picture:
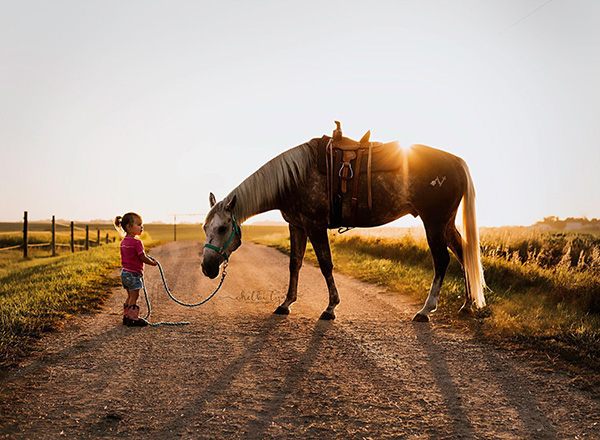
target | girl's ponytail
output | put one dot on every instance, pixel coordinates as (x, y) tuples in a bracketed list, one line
[(119, 225)]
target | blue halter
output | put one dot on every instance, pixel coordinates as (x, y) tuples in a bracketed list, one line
[(221, 250)]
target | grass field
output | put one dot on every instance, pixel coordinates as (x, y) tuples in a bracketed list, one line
[(162, 233)]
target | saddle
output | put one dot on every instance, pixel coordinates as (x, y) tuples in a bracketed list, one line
[(343, 160)]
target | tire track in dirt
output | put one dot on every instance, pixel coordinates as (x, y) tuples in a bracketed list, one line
[(240, 372)]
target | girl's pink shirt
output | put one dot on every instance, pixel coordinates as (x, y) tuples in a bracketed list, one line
[(131, 251)]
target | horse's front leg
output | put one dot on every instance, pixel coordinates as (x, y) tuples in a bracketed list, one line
[(297, 249), (320, 241)]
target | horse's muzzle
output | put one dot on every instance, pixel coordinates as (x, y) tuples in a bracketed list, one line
[(211, 271)]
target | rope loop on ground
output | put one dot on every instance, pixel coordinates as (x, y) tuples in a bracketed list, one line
[(162, 275)]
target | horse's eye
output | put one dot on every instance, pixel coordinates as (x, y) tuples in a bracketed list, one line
[(222, 229)]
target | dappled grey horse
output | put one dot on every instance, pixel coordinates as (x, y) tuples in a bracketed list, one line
[(331, 182)]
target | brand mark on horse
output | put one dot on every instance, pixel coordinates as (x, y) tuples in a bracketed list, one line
[(437, 181)]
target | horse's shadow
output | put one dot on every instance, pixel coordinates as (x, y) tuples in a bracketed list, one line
[(517, 392), (296, 375)]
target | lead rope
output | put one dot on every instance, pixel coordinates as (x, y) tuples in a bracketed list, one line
[(145, 319)]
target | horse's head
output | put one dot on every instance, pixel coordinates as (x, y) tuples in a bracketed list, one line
[(223, 235)]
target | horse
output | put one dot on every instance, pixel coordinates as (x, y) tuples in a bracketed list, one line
[(425, 182)]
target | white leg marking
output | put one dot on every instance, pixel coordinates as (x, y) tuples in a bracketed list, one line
[(432, 298)]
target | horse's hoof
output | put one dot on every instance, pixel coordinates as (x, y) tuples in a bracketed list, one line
[(421, 318), (281, 311), (327, 316), (465, 311)]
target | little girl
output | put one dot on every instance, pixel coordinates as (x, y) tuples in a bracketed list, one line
[(133, 258)]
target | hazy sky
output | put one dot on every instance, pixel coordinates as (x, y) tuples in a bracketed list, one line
[(112, 106)]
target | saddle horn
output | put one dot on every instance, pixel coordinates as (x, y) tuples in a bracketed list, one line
[(337, 133)]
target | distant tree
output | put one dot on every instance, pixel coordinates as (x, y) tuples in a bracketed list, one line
[(555, 223)]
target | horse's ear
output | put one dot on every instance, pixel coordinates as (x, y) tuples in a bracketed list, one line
[(212, 200), (365, 138), (231, 204)]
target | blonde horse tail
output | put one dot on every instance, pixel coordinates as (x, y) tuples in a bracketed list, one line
[(470, 243)]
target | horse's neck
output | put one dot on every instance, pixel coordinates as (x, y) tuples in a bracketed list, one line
[(254, 196), (263, 190)]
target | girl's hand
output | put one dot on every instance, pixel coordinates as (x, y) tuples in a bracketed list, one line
[(149, 260)]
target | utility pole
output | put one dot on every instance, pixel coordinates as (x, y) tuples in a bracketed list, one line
[(25, 236), (175, 222), (53, 236)]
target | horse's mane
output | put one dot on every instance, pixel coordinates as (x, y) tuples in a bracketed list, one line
[(274, 179)]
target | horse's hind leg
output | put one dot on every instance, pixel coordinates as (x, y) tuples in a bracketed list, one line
[(297, 249), (320, 241), (455, 243), (441, 258)]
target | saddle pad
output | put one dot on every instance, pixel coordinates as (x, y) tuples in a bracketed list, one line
[(387, 157)]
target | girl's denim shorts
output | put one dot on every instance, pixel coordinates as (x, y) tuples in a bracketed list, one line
[(131, 281)]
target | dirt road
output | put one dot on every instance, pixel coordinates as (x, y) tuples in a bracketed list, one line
[(240, 372)]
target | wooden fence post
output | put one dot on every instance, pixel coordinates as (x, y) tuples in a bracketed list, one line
[(87, 237), (53, 236), (72, 237), (107, 238), (98, 238), (25, 238)]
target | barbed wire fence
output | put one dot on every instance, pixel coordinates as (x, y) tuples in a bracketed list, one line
[(73, 243)]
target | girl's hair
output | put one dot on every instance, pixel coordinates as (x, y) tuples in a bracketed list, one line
[(121, 223)]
